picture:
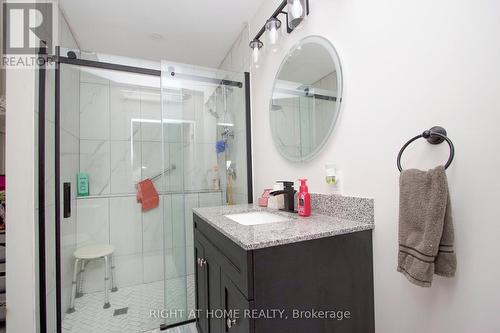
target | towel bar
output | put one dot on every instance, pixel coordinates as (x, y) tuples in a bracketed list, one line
[(435, 135)]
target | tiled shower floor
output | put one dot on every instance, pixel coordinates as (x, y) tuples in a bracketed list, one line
[(90, 317)]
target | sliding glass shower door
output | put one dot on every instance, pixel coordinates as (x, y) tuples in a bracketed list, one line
[(205, 142), (114, 264), (110, 140)]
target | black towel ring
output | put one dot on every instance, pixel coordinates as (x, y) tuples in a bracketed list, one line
[(435, 136)]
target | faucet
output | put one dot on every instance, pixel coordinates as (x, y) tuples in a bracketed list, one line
[(289, 193)]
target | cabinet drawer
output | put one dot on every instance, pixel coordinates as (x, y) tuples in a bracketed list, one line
[(235, 306), (235, 262)]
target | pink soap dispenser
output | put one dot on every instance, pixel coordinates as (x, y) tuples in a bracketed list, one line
[(304, 198)]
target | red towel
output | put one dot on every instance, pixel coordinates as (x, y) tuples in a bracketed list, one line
[(147, 195)]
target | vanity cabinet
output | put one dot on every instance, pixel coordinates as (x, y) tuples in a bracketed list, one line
[(331, 274)]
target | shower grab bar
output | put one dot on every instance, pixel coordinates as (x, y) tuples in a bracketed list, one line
[(172, 167), (125, 195)]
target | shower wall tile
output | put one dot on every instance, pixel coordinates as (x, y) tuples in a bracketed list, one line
[(175, 157), (125, 112), (178, 216), (190, 201), (69, 169), (93, 221), (239, 157), (175, 128), (168, 235), (205, 130), (125, 225), (175, 261), (152, 162), (69, 144), (240, 198), (93, 75), (210, 199), (169, 167), (153, 266), (152, 226), (199, 159), (189, 259), (237, 109), (172, 132), (187, 104), (69, 100), (94, 111), (151, 114), (128, 270), (95, 160), (125, 166)]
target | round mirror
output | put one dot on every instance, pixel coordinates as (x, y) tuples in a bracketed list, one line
[(306, 98)]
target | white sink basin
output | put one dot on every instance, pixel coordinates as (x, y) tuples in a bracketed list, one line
[(254, 218)]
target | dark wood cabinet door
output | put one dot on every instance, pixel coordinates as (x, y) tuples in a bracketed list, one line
[(235, 305), (213, 271), (201, 293)]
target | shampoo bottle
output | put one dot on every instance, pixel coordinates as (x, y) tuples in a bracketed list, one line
[(304, 199)]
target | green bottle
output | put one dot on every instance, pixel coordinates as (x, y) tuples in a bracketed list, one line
[(82, 184)]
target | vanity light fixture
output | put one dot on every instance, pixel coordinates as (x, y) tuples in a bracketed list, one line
[(297, 11), (256, 45), (273, 33)]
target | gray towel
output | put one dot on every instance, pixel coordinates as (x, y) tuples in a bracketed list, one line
[(425, 226)]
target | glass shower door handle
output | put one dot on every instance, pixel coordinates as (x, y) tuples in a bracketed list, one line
[(67, 200)]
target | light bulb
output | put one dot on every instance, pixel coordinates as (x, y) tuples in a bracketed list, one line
[(297, 9), (255, 55), (256, 45), (273, 35)]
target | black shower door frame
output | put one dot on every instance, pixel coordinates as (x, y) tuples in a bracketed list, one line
[(42, 72)]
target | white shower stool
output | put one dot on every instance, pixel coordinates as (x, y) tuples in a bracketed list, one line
[(87, 253)]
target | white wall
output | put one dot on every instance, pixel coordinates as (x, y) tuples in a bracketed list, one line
[(20, 228), (408, 65)]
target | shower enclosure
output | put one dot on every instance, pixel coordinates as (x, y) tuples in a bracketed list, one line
[(119, 121)]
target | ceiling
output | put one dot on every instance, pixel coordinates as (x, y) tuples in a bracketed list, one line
[(189, 31)]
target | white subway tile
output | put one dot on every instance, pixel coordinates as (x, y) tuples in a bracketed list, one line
[(94, 111), (125, 225), (95, 160), (92, 221), (125, 166)]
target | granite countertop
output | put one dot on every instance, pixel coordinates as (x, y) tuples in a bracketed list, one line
[(296, 229)]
